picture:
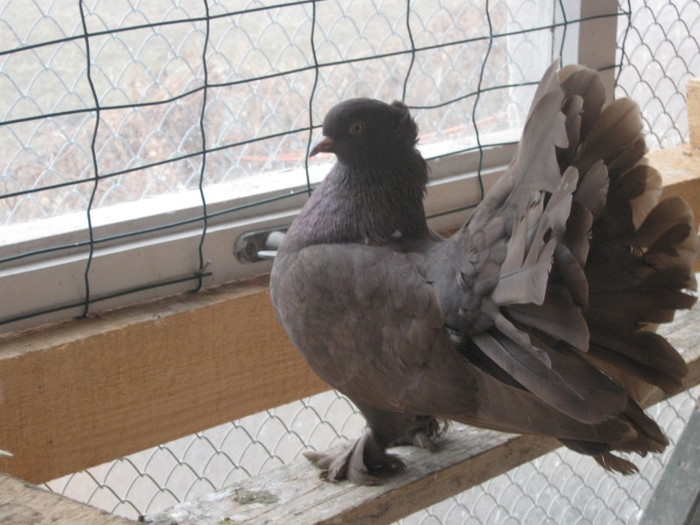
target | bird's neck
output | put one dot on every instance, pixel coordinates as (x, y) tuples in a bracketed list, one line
[(355, 205)]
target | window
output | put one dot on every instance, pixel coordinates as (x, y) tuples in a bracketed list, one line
[(140, 140)]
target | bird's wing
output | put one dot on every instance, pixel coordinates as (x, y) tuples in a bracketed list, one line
[(493, 276), (518, 279)]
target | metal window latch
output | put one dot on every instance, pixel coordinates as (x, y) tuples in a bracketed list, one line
[(259, 245)]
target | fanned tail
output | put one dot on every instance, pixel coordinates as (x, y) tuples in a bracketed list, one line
[(570, 262), (640, 263)]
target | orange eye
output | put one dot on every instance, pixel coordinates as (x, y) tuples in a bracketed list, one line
[(357, 127)]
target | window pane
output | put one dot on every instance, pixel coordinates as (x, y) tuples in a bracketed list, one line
[(166, 90)]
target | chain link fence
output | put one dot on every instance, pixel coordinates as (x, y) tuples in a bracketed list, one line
[(262, 75), (658, 52)]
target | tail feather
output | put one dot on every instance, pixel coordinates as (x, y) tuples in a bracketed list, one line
[(641, 253), (632, 153), (639, 187), (577, 229), (578, 81), (649, 438), (592, 191), (644, 354), (614, 138), (507, 406), (621, 263)]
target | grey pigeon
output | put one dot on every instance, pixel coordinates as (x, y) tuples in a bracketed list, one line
[(536, 317)]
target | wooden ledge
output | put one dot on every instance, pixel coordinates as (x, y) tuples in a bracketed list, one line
[(680, 170), (22, 503), (294, 494), (85, 392)]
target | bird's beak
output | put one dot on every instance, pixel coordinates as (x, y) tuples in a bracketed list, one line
[(326, 145)]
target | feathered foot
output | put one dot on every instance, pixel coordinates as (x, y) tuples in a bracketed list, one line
[(362, 462), (366, 461)]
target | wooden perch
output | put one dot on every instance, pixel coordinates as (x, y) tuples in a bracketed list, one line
[(22, 503), (294, 494)]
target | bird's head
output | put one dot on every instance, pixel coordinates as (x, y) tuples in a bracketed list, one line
[(364, 130)]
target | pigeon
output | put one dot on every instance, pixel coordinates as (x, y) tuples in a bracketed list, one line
[(536, 317)]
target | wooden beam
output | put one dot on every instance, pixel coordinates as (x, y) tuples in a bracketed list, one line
[(694, 112), (680, 170), (466, 457), (84, 392), (21, 503), (87, 392)]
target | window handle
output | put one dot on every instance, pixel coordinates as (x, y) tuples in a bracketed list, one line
[(259, 245)]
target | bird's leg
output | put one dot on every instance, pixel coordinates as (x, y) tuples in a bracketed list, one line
[(366, 460), (422, 433)]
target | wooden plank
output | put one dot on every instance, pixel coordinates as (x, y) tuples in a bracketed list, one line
[(676, 496), (694, 112), (294, 494), (84, 392), (598, 40), (21, 504), (87, 392), (680, 170)]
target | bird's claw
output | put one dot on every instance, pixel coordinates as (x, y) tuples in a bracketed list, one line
[(363, 462)]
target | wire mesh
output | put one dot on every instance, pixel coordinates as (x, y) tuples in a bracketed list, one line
[(131, 102), (158, 478), (659, 52), (133, 99), (105, 103)]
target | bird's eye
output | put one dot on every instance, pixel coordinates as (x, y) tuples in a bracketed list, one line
[(357, 127)]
